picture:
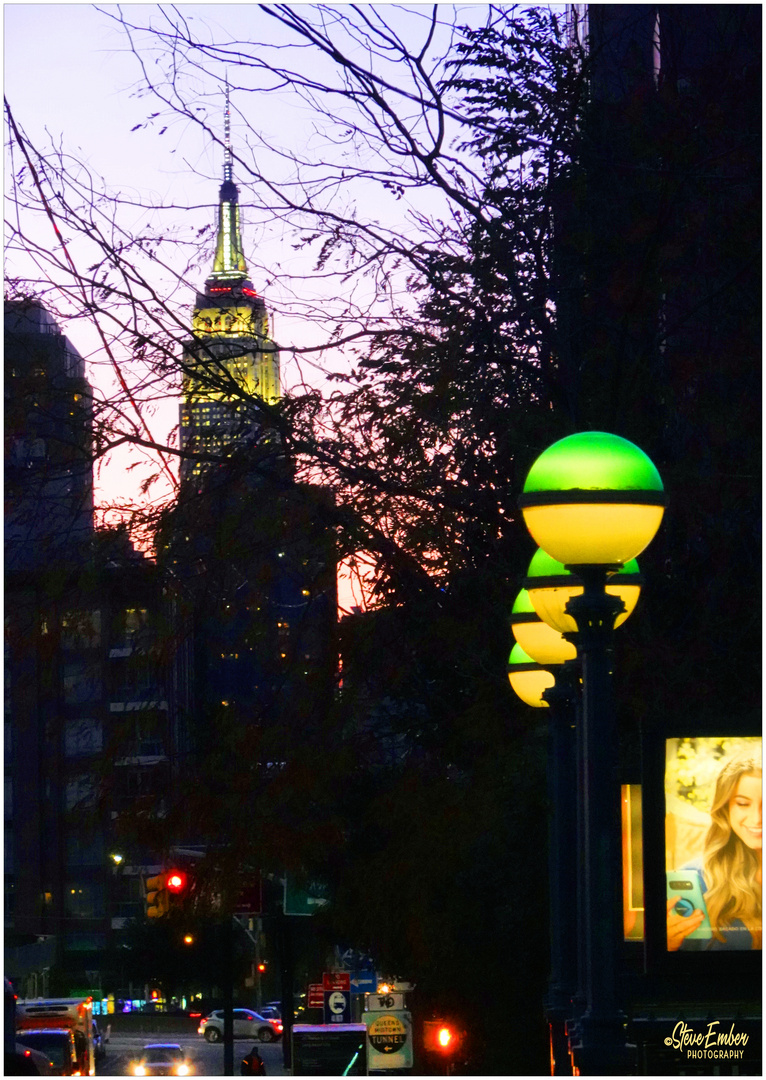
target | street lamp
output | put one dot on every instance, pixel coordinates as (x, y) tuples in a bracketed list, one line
[(550, 586), (541, 642), (593, 502), (593, 498), (528, 678)]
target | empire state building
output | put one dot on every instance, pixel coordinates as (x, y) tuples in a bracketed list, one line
[(231, 361)]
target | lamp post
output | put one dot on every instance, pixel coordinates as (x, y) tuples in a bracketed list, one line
[(547, 649), (593, 502)]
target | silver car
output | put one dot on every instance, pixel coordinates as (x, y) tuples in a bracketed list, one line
[(248, 1024)]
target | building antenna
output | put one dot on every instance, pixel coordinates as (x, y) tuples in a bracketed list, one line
[(228, 160)]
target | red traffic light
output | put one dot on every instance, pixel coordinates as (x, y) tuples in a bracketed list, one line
[(175, 882), (440, 1037), (261, 966)]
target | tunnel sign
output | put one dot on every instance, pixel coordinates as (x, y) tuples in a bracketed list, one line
[(389, 1040)]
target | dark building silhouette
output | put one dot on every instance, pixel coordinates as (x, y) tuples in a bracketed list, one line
[(48, 434), (88, 732)]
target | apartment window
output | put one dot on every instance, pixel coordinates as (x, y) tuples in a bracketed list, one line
[(84, 899), (83, 942), (83, 849), (81, 684), (81, 629), (80, 792), (82, 737)]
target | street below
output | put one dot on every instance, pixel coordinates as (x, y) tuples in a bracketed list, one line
[(207, 1058)]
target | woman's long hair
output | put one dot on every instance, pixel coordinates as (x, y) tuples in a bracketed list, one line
[(731, 867)]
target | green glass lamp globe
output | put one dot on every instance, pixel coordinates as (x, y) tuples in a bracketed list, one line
[(593, 498), (527, 678), (551, 586), (540, 641)]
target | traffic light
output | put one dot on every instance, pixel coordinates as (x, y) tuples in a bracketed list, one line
[(441, 1037), (176, 882), (157, 899), (262, 966)]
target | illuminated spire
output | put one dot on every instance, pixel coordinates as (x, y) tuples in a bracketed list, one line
[(229, 264), (228, 165)]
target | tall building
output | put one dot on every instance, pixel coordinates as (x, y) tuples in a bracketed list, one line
[(249, 550), (48, 437), (231, 358), (87, 726)]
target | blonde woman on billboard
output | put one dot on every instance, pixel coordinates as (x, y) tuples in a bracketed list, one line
[(731, 865)]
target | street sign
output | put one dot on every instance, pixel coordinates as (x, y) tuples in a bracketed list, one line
[(364, 982), (336, 980), (383, 1002), (306, 901), (389, 1040), (315, 999), (337, 1007), (250, 898)]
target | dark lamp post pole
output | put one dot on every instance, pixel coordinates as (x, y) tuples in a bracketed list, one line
[(562, 860), (600, 1049)]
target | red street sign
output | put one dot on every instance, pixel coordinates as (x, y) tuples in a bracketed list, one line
[(337, 980), (316, 996)]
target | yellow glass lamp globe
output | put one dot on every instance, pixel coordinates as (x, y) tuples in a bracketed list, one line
[(551, 586), (593, 498), (527, 678), (540, 641)]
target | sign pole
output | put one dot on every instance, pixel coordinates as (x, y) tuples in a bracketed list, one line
[(287, 979)]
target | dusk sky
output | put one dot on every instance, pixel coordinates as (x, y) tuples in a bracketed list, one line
[(70, 79)]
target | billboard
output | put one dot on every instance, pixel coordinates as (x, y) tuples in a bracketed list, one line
[(713, 843)]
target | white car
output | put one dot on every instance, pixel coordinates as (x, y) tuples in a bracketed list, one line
[(248, 1024)]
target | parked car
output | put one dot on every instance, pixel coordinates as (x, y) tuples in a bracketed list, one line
[(57, 1044), (162, 1059), (247, 1025)]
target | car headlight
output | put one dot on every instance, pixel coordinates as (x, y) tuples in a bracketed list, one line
[(139, 1070), (183, 1070)]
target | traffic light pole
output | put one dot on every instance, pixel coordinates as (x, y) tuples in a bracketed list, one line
[(228, 995), (288, 992)]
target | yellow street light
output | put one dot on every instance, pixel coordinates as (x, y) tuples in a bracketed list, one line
[(528, 678), (541, 642)]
